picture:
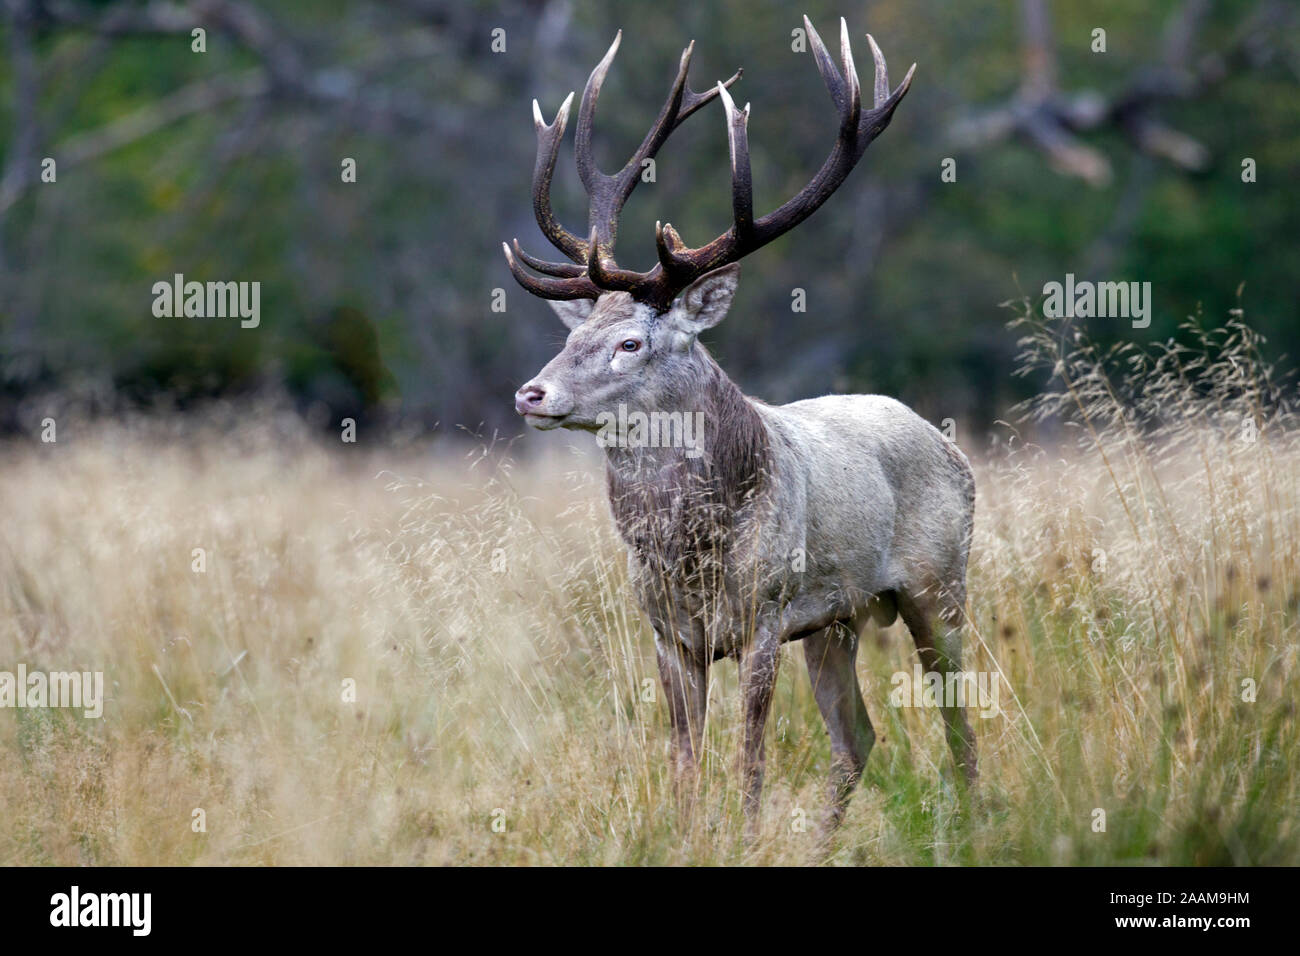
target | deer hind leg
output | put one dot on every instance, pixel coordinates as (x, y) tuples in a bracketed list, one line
[(935, 622), (830, 655)]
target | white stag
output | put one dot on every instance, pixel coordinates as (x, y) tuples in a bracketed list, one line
[(792, 522)]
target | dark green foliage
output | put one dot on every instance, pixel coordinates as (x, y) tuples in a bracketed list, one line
[(377, 295)]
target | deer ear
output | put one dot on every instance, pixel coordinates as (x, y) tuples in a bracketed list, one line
[(572, 312), (706, 300)]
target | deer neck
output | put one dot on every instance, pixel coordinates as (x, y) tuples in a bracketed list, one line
[(679, 496)]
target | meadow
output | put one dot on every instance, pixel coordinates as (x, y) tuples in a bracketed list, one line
[(425, 651)]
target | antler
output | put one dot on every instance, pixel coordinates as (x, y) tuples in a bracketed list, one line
[(606, 193), (679, 265)]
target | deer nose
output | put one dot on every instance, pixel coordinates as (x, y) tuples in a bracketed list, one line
[(528, 398)]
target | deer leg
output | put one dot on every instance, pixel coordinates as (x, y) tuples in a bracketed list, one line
[(921, 614), (830, 654), (757, 681), (685, 683)]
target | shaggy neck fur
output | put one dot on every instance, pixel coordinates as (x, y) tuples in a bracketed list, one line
[(675, 509)]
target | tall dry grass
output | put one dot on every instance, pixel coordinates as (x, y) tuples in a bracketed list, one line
[(1125, 581)]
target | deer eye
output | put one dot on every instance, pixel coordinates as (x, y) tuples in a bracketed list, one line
[(630, 345)]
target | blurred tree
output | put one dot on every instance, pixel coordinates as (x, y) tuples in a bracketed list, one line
[(377, 294)]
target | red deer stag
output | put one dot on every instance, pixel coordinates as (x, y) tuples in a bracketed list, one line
[(784, 523)]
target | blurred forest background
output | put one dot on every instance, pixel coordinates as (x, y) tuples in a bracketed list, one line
[(376, 297)]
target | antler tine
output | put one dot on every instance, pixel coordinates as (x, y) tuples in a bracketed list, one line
[(587, 170), (826, 67), (561, 269), (548, 149), (578, 287), (675, 259), (667, 245), (692, 101), (874, 121), (882, 73), (742, 183), (854, 92)]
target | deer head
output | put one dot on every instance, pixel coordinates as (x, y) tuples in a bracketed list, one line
[(633, 334)]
